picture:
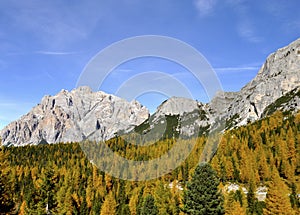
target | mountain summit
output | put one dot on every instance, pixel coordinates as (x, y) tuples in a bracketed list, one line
[(278, 76), (83, 114), (75, 116)]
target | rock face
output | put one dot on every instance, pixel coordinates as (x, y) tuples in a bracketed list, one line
[(75, 116), (276, 87), (176, 116), (81, 113), (177, 106), (278, 76)]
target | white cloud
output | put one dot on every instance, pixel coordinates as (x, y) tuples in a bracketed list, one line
[(255, 66), (236, 69), (247, 31), (282, 13), (54, 53), (53, 23), (205, 7), (38, 76), (276, 8), (244, 27), (292, 26), (42, 52)]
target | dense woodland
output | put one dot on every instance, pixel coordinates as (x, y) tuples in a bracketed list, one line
[(59, 179)]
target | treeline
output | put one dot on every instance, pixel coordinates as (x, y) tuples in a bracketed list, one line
[(59, 179)]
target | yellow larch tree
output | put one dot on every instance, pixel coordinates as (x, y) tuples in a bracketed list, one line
[(109, 206)]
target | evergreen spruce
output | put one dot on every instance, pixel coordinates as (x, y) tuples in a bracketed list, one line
[(149, 207), (251, 199), (121, 198), (294, 198), (140, 202), (202, 196)]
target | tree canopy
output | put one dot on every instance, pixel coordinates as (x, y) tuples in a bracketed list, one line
[(202, 196)]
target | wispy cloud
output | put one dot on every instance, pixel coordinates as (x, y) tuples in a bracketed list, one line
[(205, 7), (239, 68), (236, 69), (276, 8), (39, 76), (42, 52), (245, 27), (55, 53), (292, 26), (247, 31), (283, 11), (51, 22)]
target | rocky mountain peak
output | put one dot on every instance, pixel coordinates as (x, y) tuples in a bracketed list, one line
[(83, 114), (75, 116), (178, 106), (283, 61), (279, 75), (221, 101)]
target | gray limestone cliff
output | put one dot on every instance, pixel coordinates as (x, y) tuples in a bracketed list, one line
[(276, 87), (75, 116), (278, 76), (83, 114)]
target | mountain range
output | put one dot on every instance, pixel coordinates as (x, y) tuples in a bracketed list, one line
[(83, 114)]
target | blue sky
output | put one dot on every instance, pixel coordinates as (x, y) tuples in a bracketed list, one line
[(45, 45)]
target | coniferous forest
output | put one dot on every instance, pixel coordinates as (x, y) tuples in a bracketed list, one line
[(59, 179)]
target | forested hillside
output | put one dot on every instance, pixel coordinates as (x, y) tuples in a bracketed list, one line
[(58, 179)]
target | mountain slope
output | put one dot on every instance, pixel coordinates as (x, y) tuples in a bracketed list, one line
[(83, 114), (176, 116), (278, 81), (74, 116), (278, 76)]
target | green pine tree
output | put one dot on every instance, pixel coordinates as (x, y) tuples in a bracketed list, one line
[(251, 199), (121, 198), (202, 196), (149, 207), (294, 197), (140, 202)]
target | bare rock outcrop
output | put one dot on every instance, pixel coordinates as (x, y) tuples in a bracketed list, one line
[(75, 116), (83, 114), (278, 76)]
